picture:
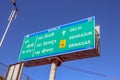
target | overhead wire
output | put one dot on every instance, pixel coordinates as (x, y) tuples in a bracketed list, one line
[(90, 72)]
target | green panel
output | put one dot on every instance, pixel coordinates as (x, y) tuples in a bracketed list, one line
[(64, 39)]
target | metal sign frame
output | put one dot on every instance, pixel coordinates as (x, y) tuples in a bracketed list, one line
[(68, 57), (15, 71)]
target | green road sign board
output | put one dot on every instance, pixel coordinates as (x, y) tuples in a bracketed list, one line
[(64, 39)]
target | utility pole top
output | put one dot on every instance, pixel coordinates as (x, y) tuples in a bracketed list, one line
[(12, 17)]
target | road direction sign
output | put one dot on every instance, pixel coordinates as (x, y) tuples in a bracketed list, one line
[(64, 39)]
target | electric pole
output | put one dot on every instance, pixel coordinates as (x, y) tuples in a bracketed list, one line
[(12, 17)]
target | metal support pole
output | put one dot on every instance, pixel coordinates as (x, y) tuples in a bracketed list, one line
[(15, 71), (53, 71), (11, 17), (54, 66)]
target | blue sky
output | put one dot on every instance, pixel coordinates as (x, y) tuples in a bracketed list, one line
[(37, 15)]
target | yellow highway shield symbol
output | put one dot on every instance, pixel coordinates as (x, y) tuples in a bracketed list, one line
[(62, 43)]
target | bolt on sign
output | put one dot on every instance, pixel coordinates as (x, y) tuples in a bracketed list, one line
[(64, 39)]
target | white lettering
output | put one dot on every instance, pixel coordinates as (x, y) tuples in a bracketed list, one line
[(49, 35), (49, 42), (37, 52), (39, 45), (30, 45), (75, 29), (40, 37), (28, 51), (80, 35), (53, 29), (47, 50), (79, 44)]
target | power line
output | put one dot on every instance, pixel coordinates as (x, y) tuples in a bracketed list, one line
[(90, 72)]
